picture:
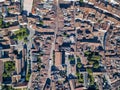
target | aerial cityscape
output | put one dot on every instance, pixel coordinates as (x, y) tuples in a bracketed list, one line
[(59, 44)]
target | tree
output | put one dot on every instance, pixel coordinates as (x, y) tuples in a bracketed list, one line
[(71, 58), (81, 80), (91, 78), (28, 76), (91, 62), (96, 64), (78, 59), (21, 34), (89, 70), (80, 77), (63, 73), (39, 60), (81, 1), (1, 22), (77, 74), (5, 87), (9, 67), (26, 40), (79, 65), (7, 24), (41, 22), (91, 87), (95, 57), (87, 53), (65, 34)]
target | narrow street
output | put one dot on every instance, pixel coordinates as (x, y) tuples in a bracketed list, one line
[(29, 53), (29, 44), (51, 62)]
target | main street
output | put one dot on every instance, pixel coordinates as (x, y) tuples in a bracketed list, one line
[(55, 36)]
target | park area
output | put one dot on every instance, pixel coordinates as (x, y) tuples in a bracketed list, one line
[(93, 58), (9, 68), (21, 34)]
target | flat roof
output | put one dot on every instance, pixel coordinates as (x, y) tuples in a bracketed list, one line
[(27, 5), (58, 58)]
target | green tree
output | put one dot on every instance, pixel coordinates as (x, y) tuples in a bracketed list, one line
[(96, 64), (81, 1), (89, 70), (91, 78), (80, 77), (87, 53), (27, 76), (1, 22), (7, 24), (41, 22), (81, 80), (5, 87), (21, 34), (79, 65), (9, 67)]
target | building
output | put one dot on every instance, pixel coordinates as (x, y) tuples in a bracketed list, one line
[(58, 58), (18, 65), (27, 6)]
